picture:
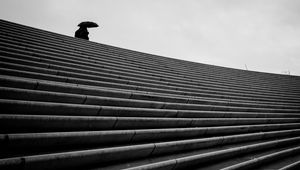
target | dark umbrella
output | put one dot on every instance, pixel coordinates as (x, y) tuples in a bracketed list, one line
[(88, 24)]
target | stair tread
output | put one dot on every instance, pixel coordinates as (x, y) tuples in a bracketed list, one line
[(71, 103)]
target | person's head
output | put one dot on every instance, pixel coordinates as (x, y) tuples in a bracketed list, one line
[(83, 28)]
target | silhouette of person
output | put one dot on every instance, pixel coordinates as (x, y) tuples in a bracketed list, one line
[(82, 32)]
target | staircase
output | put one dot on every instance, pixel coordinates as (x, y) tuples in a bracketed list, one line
[(70, 103)]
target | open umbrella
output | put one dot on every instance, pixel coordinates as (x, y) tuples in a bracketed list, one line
[(88, 24)]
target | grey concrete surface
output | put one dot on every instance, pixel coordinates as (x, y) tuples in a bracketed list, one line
[(67, 103)]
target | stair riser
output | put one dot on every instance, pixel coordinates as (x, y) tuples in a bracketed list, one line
[(35, 32), (68, 103), (52, 69), (7, 63), (37, 123), (117, 67), (69, 88), (39, 108), (19, 94), (252, 164), (67, 139), (197, 160), (54, 77), (82, 158), (294, 166)]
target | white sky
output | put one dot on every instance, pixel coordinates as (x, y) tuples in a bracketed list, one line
[(263, 35)]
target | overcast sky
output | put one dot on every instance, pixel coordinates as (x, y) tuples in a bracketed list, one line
[(262, 35)]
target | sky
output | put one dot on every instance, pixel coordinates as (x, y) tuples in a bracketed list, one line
[(257, 35)]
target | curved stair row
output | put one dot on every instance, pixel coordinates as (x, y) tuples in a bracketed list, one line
[(71, 103)]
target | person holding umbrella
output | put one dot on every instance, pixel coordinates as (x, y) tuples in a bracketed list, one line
[(82, 32)]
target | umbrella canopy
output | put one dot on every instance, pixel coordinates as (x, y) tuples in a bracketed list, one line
[(88, 24)]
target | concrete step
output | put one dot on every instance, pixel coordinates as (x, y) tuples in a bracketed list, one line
[(43, 108), (43, 96), (85, 157), (81, 57), (52, 76), (131, 54), (293, 166), (210, 157), (276, 164), (119, 78), (37, 84), (93, 75), (11, 123), (254, 163), (211, 165), (118, 67), (9, 93), (26, 141), (69, 103)]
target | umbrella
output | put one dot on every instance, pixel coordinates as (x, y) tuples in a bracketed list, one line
[(88, 24)]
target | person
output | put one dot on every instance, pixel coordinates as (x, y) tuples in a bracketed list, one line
[(82, 32)]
